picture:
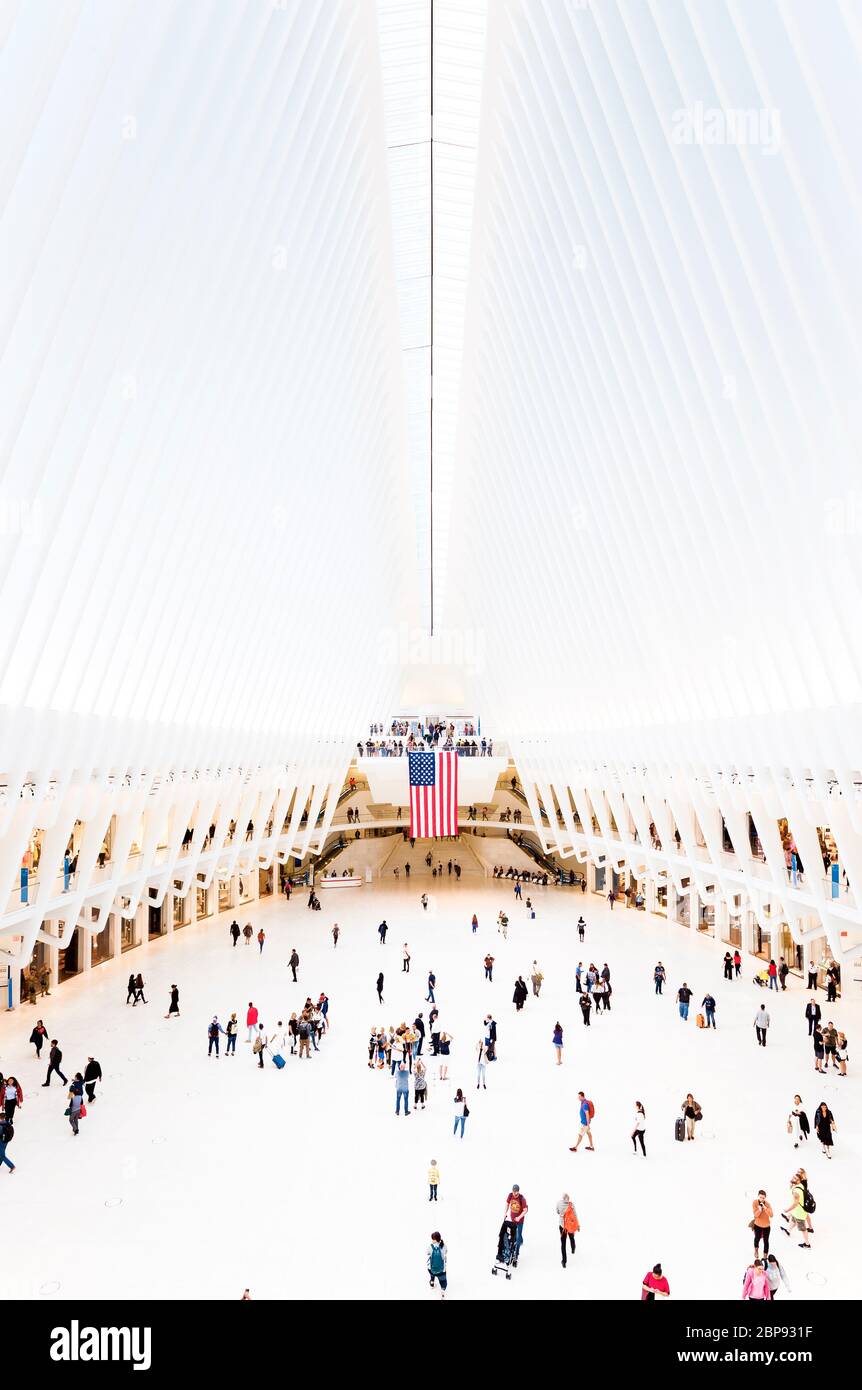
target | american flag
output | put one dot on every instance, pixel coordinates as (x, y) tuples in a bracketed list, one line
[(433, 794)]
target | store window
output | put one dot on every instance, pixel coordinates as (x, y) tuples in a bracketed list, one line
[(661, 900), (706, 919), (265, 882), (154, 921), (69, 958), (180, 912), (599, 886), (128, 937), (203, 902), (762, 942), (682, 908), (225, 895)]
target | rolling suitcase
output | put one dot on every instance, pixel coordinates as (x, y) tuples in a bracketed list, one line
[(679, 1129), (700, 1021), (278, 1059)]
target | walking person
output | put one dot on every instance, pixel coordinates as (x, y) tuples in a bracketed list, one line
[(38, 1036), (586, 1006), (795, 1214), (433, 1180), (259, 1046), (824, 1127), (424, 901), (659, 976), (761, 1023), (557, 1041), (139, 990), (432, 980), (797, 1123), (213, 1032), (475, 924), (130, 989), (261, 937), (55, 1057), (293, 962), (7, 1134), (761, 1223), (567, 1219), (536, 979), (783, 972), (683, 999), (737, 964), (174, 1007), (518, 889), (772, 972), (461, 1112), (76, 1101), (639, 1131), (436, 1262), (405, 964), (776, 1276), (335, 935), (489, 968), (92, 1074), (13, 1097), (381, 932), (380, 988), (728, 966), (481, 1064), (582, 927), (755, 1285), (234, 931), (251, 1021), (586, 1112), (230, 1033), (247, 933)]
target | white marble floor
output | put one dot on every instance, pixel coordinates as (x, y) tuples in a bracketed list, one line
[(194, 1177)]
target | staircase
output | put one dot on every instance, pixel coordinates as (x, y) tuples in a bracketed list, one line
[(441, 852)]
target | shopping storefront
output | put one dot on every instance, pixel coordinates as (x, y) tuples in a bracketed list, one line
[(100, 948), (128, 933), (225, 895), (203, 903), (265, 882)]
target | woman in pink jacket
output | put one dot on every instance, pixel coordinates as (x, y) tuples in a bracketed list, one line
[(756, 1284)]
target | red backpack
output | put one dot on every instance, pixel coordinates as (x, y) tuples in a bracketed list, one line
[(570, 1220)]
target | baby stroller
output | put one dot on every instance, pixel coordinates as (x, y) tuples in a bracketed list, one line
[(762, 979), (505, 1260)]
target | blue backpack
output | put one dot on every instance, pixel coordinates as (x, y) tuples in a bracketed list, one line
[(436, 1265)]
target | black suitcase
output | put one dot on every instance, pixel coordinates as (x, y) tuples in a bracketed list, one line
[(679, 1129)]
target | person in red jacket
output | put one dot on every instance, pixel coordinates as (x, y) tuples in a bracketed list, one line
[(654, 1285), (251, 1021)]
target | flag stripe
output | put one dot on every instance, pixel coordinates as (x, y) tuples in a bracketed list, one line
[(433, 794)]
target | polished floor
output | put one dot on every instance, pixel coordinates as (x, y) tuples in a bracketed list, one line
[(193, 1177)]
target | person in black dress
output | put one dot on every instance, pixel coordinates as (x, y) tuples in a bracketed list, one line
[(174, 1010)]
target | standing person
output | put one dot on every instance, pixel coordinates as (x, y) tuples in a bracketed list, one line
[(234, 931), (586, 1005), (761, 1023), (444, 1043), (586, 1111), (231, 1032), (247, 933), (520, 994), (432, 980), (772, 972), (830, 1044), (303, 1030), (461, 1112), (824, 1126), (795, 1213), (76, 1101), (475, 924), (490, 1038), (174, 1007), (213, 1032), (7, 1134), (761, 1223), (13, 1097), (55, 1057), (424, 901), (261, 937), (639, 1130), (251, 1021), (755, 1285), (737, 964), (260, 1045), (419, 1031), (130, 989), (38, 1036), (582, 927), (402, 1088), (433, 1180), (578, 973), (567, 1219), (489, 968), (797, 1123), (434, 1030), (812, 1013), (381, 932), (405, 964), (518, 889), (783, 972), (558, 1042), (654, 1285), (420, 1084), (611, 899), (139, 989), (683, 999), (293, 962), (728, 966), (776, 1276), (335, 935), (708, 1007), (536, 979), (812, 975), (481, 1062), (516, 1211), (659, 976), (436, 1262), (92, 1074), (692, 1112)]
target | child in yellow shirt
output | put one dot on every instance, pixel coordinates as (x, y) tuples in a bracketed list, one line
[(433, 1180)]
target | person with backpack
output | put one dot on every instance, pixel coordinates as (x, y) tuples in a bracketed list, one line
[(304, 1034), (659, 975), (231, 1032), (683, 999), (38, 1036), (213, 1032), (586, 1113), (436, 1262), (796, 1214), (260, 1045), (567, 1219), (461, 1112), (639, 1130), (7, 1134)]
